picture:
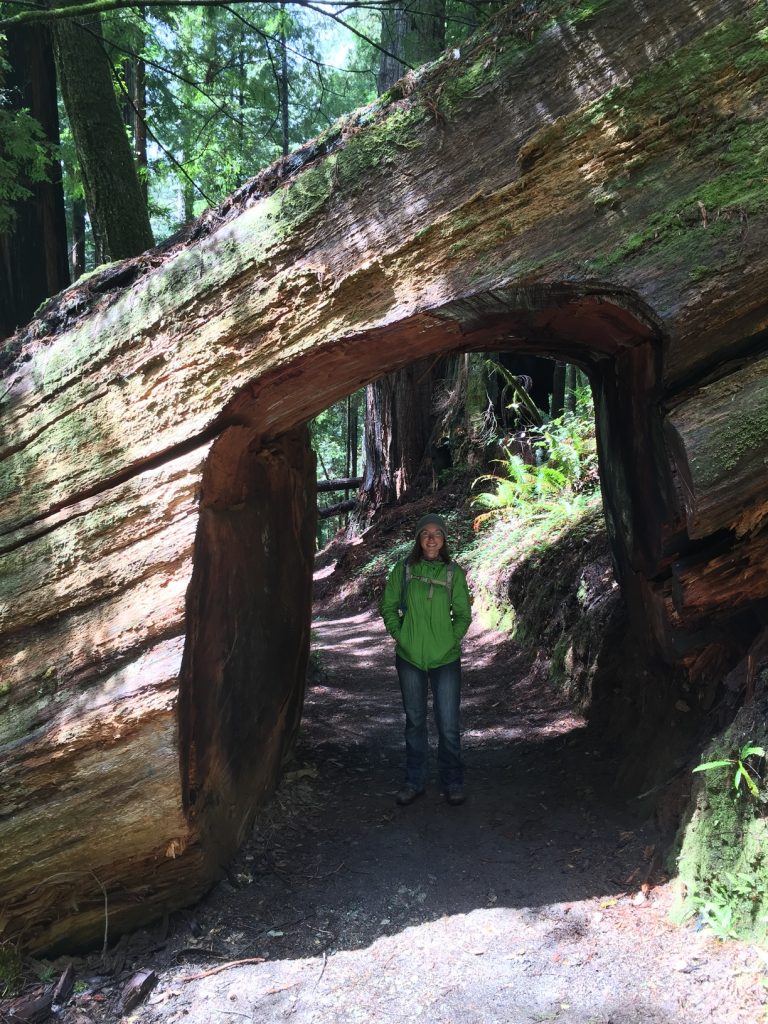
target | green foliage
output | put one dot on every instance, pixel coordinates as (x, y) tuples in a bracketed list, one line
[(337, 439), (44, 971), (746, 770), (329, 436), (722, 852), (215, 80), (719, 910), (529, 507), (24, 154), (383, 562), (566, 465), (514, 396), (520, 484)]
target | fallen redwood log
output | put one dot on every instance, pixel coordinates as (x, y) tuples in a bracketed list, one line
[(336, 510), (156, 485), (346, 483)]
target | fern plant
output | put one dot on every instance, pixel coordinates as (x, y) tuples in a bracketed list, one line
[(745, 768), (566, 462)]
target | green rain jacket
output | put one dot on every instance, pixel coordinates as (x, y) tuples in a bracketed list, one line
[(428, 636)]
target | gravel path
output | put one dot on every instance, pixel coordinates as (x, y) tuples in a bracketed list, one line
[(535, 901)]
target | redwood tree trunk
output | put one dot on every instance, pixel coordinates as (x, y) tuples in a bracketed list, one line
[(33, 254), (135, 108), (113, 193), (557, 407), (411, 35)]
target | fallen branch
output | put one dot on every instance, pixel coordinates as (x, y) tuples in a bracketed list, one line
[(280, 988), (335, 510), (222, 967), (341, 484)]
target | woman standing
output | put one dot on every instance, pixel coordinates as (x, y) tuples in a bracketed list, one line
[(426, 609)]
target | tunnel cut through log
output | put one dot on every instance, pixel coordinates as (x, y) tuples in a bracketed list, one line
[(190, 738), (248, 602)]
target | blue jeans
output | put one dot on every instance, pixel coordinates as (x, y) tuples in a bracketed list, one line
[(446, 693)]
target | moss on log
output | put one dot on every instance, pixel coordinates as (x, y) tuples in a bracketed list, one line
[(721, 846)]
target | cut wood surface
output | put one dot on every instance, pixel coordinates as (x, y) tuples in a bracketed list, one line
[(722, 433), (156, 486)]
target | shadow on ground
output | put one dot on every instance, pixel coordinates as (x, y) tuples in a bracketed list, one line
[(525, 904), (540, 826)]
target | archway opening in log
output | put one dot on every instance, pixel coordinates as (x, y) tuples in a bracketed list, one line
[(248, 604)]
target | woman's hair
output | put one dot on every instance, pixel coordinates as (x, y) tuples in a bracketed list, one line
[(416, 554)]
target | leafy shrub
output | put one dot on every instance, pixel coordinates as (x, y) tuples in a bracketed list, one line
[(566, 465)]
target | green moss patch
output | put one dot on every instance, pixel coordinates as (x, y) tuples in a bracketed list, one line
[(745, 434), (502, 48), (709, 97), (723, 846), (306, 195), (379, 147)]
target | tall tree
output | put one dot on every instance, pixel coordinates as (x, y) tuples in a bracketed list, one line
[(113, 193), (232, 89), (134, 91), (411, 34), (33, 244), (398, 410)]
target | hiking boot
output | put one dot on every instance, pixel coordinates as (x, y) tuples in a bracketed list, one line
[(455, 796), (407, 795)]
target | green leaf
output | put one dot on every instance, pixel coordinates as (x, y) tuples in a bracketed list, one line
[(750, 751), (712, 764), (742, 773)]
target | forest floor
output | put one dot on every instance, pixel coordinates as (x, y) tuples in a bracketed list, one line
[(540, 899)]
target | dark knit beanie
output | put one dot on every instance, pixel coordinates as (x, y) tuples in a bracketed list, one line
[(431, 520)]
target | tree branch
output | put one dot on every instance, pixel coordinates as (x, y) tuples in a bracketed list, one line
[(45, 14)]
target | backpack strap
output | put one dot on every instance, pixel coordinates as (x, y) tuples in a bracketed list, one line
[(447, 583), (404, 587)]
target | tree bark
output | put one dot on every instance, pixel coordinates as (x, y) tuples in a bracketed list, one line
[(140, 126), (411, 34), (570, 388), (113, 193), (718, 439), (557, 408), (33, 253)]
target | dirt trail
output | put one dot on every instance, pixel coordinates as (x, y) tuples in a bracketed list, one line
[(525, 904)]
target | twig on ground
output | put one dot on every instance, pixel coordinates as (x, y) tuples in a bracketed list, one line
[(280, 988), (322, 970), (327, 874), (222, 967)]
